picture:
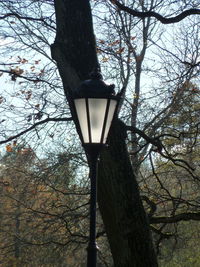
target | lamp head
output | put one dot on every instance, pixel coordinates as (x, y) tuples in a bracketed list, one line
[(95, 105)]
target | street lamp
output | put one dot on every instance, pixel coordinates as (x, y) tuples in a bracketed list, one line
[(95, 105)]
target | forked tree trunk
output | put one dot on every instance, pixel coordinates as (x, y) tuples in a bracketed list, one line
[(125, 221)]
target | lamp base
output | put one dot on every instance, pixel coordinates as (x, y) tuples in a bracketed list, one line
[(92, 255)]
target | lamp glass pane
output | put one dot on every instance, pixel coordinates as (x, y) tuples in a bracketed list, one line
[(97, 109), (111, 111), (80, 105)]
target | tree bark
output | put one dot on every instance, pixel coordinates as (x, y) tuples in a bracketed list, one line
[(74, 48), (125, 221)]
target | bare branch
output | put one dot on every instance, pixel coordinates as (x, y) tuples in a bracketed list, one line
[(15, 75), (13, 14), (154, 141), (33, 127), (162, 235), (164, 20), (187, 216)]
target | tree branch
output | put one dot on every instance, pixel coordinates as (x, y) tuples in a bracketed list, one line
[(161, 234), (187, 216), (164, 20), (151, 204), (33, 127), (154, 141), (13, 14), (14, 75)]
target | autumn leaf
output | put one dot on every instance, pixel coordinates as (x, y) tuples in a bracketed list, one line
[(105, 59), (98, 50), (37, 61), (133, 38), (28, 95), (23, 61), (37, 106), (101, 41), (38, 116), (9, 189), (114, 43), (41, 72), (9, 148), (16, 71), (121, 50)]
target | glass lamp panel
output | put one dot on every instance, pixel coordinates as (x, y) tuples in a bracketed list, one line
[(111, 111), (97, 109), (80, 105)]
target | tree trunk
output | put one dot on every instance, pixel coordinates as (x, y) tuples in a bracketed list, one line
[(118, 196), (121, 208), (134, 140), (74, 48)]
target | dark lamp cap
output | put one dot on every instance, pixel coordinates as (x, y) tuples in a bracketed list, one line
[(94, 87)]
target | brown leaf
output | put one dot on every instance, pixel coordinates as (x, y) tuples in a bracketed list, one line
[(37, 106), (9, 148), (121, 50), (28, 95)]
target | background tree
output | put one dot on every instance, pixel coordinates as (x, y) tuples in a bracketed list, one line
[(43, 219)]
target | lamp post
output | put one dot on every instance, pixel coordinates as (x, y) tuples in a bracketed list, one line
[(95, 105)]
